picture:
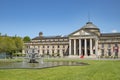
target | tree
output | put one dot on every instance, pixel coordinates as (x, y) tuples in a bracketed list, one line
[(11, 45), (26, 39), (18, 43)]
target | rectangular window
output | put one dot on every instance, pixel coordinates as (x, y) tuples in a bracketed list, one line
[(52, 51), (47, 51), (52, 46), (109, 45), (43, 51), (58, 46), (58, 51), (47, 39), (51, 39), (38, 51), (56, 39), (102, 46), (60, 39)]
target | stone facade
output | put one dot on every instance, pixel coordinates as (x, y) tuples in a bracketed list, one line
[(51, 45), (86, 41)]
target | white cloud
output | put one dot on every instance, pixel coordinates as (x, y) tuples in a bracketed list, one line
[(114, 31)]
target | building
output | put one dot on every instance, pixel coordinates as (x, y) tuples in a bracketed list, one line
[(86, 41)]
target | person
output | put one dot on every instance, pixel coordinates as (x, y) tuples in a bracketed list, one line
[(82, 56)]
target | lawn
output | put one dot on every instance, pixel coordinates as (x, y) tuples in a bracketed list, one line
[(96, 70)]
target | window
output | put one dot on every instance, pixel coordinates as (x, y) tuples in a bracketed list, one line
[(58, 51), (58, 46), (38, 51), (56, 39), (47, 40), (60, 39), (43, 40), (51, 39), (47, 52), (43, 51), (65, 39), (116, 44), (52, 46), (102, 46), (109, 45), (52, 51)]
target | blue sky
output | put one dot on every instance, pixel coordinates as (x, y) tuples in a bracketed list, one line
[(57, 17)]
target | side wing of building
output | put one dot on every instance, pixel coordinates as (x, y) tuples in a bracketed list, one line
[(107, 42), (50, 45)]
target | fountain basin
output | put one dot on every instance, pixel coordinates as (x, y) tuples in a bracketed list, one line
[(17, 65)]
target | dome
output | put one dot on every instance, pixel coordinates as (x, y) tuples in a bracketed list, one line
[(90, 25), (91, 28), (40, 34)]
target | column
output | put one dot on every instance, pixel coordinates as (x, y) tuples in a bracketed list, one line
[(79, 46), (96, 47), (85, 47), (50, 49), (74, 46), (69, 46), (91, 50)]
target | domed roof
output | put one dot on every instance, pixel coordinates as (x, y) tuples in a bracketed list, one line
[(90, 25)]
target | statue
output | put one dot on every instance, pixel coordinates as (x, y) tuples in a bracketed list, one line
[(32, 55)]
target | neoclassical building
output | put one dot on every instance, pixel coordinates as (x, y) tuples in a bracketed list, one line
[(86, 41)]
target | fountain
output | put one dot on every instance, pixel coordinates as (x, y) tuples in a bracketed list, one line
[(34, 60), (33, 56)]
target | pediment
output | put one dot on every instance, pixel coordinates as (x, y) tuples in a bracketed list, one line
[(80, 32)]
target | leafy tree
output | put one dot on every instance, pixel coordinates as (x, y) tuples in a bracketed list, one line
[(18, 43), (26, 39), (10, 44)]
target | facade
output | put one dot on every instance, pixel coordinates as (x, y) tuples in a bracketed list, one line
[(86, 41)]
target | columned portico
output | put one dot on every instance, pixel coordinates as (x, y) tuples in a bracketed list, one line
[(82, 43)]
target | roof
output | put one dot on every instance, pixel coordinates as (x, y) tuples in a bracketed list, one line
[(49, 37), (110, 34), (90, 25)]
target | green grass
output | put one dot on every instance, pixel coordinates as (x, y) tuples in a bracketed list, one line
[(97, 70)]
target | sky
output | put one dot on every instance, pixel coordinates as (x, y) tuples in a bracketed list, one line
[(57, 17)]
